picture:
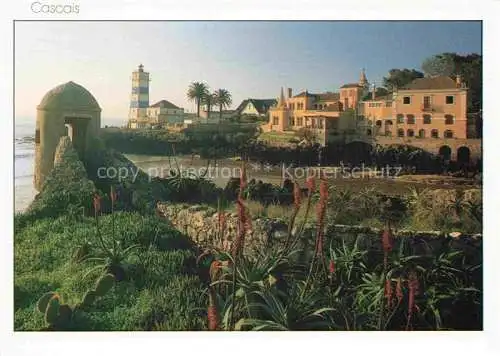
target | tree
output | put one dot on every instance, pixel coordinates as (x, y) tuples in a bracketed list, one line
[(197, 92), (469, 67), (378, 92), (223, 100), (209, 100), (398, 78)]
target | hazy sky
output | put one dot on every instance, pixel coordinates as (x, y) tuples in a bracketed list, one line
[(250, 59)]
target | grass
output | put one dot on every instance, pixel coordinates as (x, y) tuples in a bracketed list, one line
[(162, 290)]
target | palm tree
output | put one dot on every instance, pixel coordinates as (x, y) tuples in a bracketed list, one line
[(197, 92), (223, 99), (209, 100)]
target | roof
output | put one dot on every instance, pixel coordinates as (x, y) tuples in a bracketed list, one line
[(335, 107), (164, 104), (261, 105), (303, 94), (438, 82), (69, 95), (328, 96), (351, 85), (387, 97)]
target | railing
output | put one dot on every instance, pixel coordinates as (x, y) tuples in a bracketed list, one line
[(431, 108)]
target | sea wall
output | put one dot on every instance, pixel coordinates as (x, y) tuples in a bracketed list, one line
[(201, 223)]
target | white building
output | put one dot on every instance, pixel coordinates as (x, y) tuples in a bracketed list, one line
[(164, 112)]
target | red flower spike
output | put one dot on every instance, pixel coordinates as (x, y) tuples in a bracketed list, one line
[(311, 185), (331, 267)]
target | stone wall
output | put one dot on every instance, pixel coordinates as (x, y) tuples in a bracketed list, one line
[(201, 224), (433, 145)]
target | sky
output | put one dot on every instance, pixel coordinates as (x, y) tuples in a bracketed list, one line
[(250, 59)]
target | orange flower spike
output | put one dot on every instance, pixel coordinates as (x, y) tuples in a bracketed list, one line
[(311, 185), (388, 291), (331, 266)]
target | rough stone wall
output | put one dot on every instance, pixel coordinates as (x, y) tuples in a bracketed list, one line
[(433, 145), (201, 224)]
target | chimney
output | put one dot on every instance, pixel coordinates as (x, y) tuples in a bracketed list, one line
[(459, 81), (289, 93), (374, 90)]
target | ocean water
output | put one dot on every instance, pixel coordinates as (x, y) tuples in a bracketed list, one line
[(24, 160)]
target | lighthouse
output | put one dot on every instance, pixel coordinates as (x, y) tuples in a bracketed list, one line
[(139, 98)]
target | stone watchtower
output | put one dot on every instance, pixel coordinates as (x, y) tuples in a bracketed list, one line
[(67, 110)]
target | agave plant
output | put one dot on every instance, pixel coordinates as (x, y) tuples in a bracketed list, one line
[(293, 311)]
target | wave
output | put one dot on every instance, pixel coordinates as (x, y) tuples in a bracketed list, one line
[(24, 176), (24, 155)]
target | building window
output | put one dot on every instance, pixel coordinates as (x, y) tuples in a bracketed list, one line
[(448, 134), (315, 106), (450, 99), (299, 121), (291, 121), (379, 123), (369, 132), (401, 119), (388, 104), (275, 120), (410, 133), (37, 136), (320, 123), (410, 119), (449, 120), (427, 119), (421, 133), (401, 133), (406, 100), (434, 133), (427, 103)]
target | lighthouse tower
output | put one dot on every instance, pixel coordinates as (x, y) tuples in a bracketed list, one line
[(139, 98)]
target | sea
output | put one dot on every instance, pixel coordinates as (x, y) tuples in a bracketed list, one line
[(24, 160)]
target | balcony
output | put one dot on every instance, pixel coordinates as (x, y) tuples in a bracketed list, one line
[(431, 108)]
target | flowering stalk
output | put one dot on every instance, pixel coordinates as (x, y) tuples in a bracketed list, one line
[(113, 196), (296, 208), (320, 211), (387, 243), (212, 313), (388, 292), (413, 290), (399, 291), (311, 187), (244, 224)]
